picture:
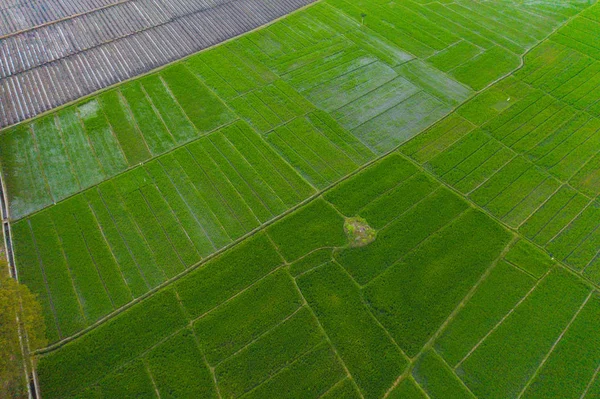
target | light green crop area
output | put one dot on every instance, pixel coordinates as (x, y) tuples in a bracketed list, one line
[(187, 232)]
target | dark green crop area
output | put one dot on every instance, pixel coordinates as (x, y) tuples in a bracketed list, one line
[(187, 236)]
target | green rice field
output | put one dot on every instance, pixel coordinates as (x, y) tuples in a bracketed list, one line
[(186, 231)]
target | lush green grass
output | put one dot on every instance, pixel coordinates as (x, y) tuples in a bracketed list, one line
[(414, 297), (370, 355), (155, 175), (314, 226), (493, 299), (572, 360), (507, 358), (437, 378)]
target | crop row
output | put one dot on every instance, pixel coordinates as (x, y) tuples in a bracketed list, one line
[(319, 148)]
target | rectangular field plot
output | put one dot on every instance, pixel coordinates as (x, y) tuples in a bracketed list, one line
[(413, 297), (271, 106), (321, 150), (515, 191), (497, 294), (133, 232), (372, 358), (574, 358), (502, 363), (483, 69), (381, 106), (437, 379), (577, 243)]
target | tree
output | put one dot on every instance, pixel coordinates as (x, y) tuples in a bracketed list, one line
[(20, 313)]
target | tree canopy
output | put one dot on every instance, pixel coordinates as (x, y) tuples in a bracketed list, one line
[(20, 313)]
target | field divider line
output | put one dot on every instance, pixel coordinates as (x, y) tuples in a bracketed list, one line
[(340, 382), (556, 342), (43, 272), (111, 128), (108, 247), (430, 343), (95, 154), (343, 152), (487, 179), (560, 263), (68, 270), (357, 54), (419, 91), (274, 375), (470, 173), (197, 341), (562, 124), (202, 195), (326, 336), (586, 139), (420, 244), (243, 179), (386, 192), (261, 335), (466, 158), (558, 212), (292, 209), (590, 383), (114, 223), (251, 167), (497, 325), (169, 209), (87, 248), (159, 221), (419, 387), (187, 205), (312, 269), (545, 178), (126, 107), (301, 157), (261, 155), (577, 215), (314, 151), (219, 170), (147, 368), (581, 242), (544, 202), (508, 186), (152, 250), (445, 107), (38, 160), (107, 177), (219, 195), (460, 381), (377, 322), (170, 93), (450, 129), (60, 132), (189, 325)]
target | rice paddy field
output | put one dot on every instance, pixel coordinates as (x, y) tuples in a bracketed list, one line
[(188, 232)]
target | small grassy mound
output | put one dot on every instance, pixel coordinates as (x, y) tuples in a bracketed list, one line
[(359, 232)]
